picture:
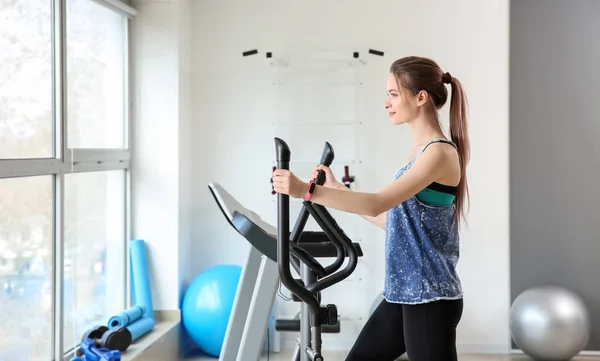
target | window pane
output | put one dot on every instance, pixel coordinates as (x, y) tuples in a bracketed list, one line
[(95, 251), (95, 76), (26, 128), (26, 239)]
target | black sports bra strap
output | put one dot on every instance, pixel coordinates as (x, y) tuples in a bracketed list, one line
[(438, 140)]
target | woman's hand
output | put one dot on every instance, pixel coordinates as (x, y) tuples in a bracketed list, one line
[(285, 182), (330, 180)]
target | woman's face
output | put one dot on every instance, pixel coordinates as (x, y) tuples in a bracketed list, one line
[(400, 105)]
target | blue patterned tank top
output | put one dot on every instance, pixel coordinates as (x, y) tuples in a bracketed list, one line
[(421, 249)]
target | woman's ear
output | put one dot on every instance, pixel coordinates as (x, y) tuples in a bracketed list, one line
[(422, 98)]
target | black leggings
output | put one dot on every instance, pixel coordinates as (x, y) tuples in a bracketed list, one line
[(426, 332)]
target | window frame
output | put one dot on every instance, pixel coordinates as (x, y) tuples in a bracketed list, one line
[(67, 161)]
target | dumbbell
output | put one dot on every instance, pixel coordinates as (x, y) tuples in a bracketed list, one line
[(89, 352), (116, 339)]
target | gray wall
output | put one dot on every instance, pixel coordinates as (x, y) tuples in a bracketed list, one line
[(555, 148)]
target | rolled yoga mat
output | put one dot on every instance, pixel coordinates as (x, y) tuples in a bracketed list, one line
[(142, 295), (126, 317), (140, 327), (138, 319)]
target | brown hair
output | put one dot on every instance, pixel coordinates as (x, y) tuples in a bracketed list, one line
[(417, 73)]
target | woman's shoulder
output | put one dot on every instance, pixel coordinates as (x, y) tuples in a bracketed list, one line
[(449, 160)]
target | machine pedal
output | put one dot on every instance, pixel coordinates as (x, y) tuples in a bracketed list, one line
[(293, 325)]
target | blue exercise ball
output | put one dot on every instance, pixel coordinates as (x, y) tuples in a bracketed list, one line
[(207, 306)]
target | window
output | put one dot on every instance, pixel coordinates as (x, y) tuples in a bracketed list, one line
[(64, 172), (26, 79), (96, 76), (94, 251), (26, 267)]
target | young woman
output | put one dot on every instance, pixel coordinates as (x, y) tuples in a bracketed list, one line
[(420, 211)]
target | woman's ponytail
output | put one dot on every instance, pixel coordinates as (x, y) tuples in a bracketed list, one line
[(460, 136)]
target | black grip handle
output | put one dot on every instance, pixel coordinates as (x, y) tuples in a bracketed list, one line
[(328, 155), (320, 177), (326, 159)]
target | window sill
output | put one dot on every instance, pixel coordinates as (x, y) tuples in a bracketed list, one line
[(161, 344)]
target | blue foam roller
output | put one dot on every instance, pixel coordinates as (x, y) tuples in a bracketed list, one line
[(140, 278), (125, 318), (140, 327)]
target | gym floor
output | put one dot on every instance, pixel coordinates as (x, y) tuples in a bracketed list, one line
[(339, 356)]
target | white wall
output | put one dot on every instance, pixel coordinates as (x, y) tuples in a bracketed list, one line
[(186, 150), (233, 130), (162, 144), (232, 113)]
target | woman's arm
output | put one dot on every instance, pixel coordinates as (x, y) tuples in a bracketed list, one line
[(426, 170), (379, 220)]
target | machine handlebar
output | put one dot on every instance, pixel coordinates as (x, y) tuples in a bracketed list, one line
[(308, 293)]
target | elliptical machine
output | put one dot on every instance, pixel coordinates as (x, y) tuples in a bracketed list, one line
[(271, 252), (313, 276)]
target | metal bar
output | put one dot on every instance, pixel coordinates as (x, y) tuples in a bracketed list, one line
[(305, 329), (96, 166), (261, 305), (58, 266), (57, 80), (34, 167), (60, 71), (128, 142), (95, 155), (296, 353), (60, 76), (128, 237), (54, 20), (127, 85), (238, 321), (118, 6), (29, 167)]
